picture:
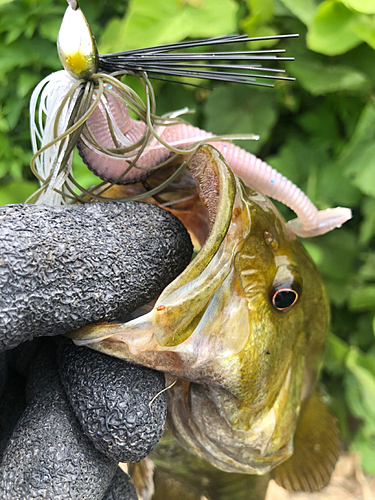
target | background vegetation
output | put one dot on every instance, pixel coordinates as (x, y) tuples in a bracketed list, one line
[(319, 131)]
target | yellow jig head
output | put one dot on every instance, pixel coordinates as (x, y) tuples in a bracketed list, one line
[(76, 44)]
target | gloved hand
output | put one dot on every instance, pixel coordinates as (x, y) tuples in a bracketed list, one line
[(68, 414)]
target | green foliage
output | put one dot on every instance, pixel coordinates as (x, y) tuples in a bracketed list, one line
[(254, 111), (256, 23), (304, 10), (332, 30), (319, 131), (320, 76), (145, 25), (335, 26)]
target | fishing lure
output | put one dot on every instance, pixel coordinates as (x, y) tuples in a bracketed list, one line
[(86, 105)]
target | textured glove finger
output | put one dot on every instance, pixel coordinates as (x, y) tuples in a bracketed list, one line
[(116, 403), (69, 266), (14, 366), (48, 456), (12, 404), (121, 488)]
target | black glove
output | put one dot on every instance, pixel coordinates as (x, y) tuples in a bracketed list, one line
[(65, 267), (62, 268)]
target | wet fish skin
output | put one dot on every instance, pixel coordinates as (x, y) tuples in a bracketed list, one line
[(246, 369)]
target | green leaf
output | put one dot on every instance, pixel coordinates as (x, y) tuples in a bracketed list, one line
[(358, 157), (363, 135), (365, 29), (294, 154), (12, 58), (362, 366), (261, 10), (361, 58), (280, 9), (364, 443), (255, 25), (335, 355), (362, 336), (82, 174), (153, 22), (366, 6), (4, 126), (339, 264), (13, 111), (50, 29), (334, 188), (320, 79), (353, 397), (314, 250), (360, 396), (321, 124), (304, 10), (365, 170), (338, 293), (319, 75), (233, 109), (363, 298), (212, 17), (26, 82), (16, 192), (367, 270), (331, 32), (253, 29), (174, 97)]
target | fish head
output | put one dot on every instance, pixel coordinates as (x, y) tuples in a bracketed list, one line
[(255, 355)]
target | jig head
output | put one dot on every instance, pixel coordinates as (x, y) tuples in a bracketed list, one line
[(76, 44)]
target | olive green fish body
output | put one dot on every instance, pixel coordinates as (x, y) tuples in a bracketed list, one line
[(241, 332)]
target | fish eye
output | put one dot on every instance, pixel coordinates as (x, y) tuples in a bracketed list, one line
[(284, 299)]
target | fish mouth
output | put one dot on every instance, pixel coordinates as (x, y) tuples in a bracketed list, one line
[(200, 426), (177, 338)]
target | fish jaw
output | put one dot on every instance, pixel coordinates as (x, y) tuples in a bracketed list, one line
[(248, 433), (197, 419)]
